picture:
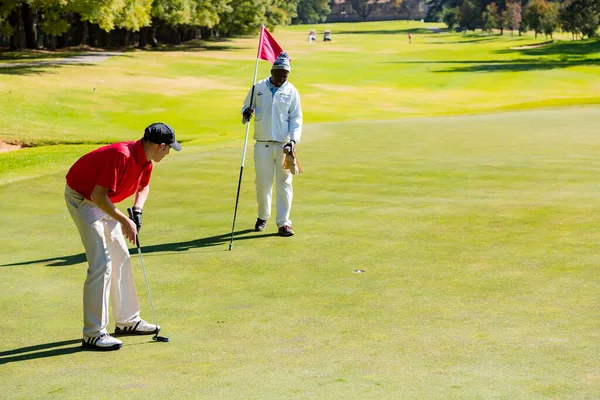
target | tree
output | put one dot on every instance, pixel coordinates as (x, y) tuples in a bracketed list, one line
[(133, 15), (98, 17), (534, 15), (15, 27), (437, 7), (245, 17), (450, 17), (206, 13), (512, 16), (19, 20), (410, 7), (110, 22), (550, 22), (363, 8), (580, 17), (489, 17), (497, 16), (468, 15), (172, 12), (30, 21), (312, 11), (53, 21), (102, 13), (281, 12)]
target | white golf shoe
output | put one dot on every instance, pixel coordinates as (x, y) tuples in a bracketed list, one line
[(102, 342), (139, 328)]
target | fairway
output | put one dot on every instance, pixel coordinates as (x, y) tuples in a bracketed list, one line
[(461, 176)]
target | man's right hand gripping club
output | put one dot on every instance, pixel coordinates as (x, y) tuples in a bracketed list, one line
[(129, 229), (248, 112)]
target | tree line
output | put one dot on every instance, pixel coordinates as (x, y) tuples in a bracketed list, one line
[(581, 18), (105, 23)]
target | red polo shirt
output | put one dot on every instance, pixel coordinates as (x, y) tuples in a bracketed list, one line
[(120, 167)]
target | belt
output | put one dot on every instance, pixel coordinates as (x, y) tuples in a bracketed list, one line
[(268, 141)]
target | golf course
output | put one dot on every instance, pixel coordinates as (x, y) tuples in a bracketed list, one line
[(446, 221)]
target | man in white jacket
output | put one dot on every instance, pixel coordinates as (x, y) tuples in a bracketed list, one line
[(275, 102)]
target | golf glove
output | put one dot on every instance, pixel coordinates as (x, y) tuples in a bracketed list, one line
[(290, 146), (136, 217)]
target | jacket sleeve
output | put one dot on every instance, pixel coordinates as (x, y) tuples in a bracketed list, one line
[(295, 118), (246, 105)]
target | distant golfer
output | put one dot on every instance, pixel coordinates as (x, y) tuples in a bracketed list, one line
[(96, 182), (277, 128)]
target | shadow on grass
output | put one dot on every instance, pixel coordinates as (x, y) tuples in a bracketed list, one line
[(516, 66), (36, 55), (210, 241), (39, 67), (38, 62), (385, 32), (565, 49), (466, 41), (43, 54), (30, 69), (41, 351), (519, 65), (215, 44)]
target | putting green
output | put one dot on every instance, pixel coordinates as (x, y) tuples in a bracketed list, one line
[(475, 234)]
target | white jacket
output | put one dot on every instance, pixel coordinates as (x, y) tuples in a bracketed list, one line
[(276, 117)]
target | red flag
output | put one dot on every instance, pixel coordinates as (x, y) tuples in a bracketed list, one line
[(268, 48)]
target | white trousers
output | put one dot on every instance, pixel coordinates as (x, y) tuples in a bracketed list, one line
[(109, 267), (268, 162)]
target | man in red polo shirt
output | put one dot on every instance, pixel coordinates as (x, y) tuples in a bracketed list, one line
[(96, 182)]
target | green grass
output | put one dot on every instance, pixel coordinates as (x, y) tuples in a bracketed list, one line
[(31, 56), (476, 232), (439, 74)]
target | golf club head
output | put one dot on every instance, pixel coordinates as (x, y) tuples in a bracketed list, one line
[(157, 338)]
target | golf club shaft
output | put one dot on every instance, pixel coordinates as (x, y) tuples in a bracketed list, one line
[(137, 243), (147, 285), (237, 199)]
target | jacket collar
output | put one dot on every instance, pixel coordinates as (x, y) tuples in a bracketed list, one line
[(270, 85)]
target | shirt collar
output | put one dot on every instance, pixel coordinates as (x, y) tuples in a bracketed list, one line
[(139, 153)]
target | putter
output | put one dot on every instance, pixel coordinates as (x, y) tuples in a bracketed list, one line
[(156, 338)]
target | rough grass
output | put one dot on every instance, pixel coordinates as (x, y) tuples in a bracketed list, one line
[(438, 74)]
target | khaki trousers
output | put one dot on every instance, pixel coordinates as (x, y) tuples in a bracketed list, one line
[(268, 162), (109, 267)]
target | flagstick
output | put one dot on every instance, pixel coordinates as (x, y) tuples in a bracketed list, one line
[(237, 197)]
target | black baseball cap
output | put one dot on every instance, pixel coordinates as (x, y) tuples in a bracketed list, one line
[(161, 133)]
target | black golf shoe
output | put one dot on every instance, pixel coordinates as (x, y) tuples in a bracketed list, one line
[(260, 225), (286, 231)]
